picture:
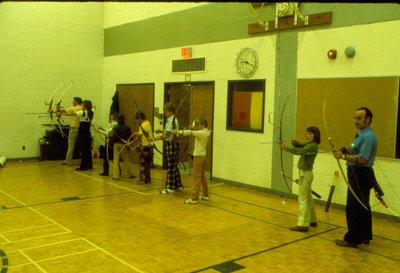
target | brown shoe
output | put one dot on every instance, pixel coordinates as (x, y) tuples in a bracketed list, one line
[(345, 243), (313, 224), (299, 228)]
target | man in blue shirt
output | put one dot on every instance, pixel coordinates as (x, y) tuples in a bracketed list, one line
[(359, 158)]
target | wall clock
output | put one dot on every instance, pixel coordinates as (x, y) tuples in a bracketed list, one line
[(247, 62)]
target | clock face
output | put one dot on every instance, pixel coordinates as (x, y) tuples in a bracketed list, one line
[(247, 62)]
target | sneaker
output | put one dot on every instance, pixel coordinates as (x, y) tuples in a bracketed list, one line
[(166, 190), (191, 202), (205, 198), (299, 228)]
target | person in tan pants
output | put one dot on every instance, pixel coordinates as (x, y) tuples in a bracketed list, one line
[(73, 129), (201, 134)]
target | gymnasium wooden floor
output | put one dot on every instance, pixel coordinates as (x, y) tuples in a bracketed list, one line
[(55, 219)]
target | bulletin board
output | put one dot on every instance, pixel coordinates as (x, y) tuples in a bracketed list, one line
[(342, 98)]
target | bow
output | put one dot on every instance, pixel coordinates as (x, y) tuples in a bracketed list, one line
[(50, 104), (107, 146), (132, 138), (176, 114), (58, 108), (337, 160), (281, 141), (134, 135), (179, 107), (127, 143)]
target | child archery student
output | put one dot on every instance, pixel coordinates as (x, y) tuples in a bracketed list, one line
[(308, 152), (105, 150), (201, 135)]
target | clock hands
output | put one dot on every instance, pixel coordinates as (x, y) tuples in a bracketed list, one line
[(246, 62)]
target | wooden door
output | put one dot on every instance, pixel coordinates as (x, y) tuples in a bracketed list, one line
[(202, 102), (192, 100), (143, 94)]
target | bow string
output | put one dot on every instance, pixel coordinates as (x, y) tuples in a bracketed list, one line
[(338, 162), (281, 142), (58, 108), (50, 105)]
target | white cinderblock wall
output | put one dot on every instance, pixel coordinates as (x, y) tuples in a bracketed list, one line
[(42, 44), (238, 156)]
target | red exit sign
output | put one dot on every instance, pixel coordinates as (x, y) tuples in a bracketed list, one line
[(186, 52)]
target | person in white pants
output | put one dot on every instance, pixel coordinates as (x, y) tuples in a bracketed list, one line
[(308, 152)]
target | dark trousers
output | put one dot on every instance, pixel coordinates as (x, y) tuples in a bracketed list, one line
[(103, 154), (106, 162), (146, 159), (359, 220), (85, 148)]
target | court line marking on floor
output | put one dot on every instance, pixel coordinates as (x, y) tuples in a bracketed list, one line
[(5, 239), (27, 228), (114, 184), (49, 244), (371, 251), (33, 262), (267, 249), (37, 212), (8, 241), (52, 258), (115, 257), (34, 238), (78, 199), (95, 247)]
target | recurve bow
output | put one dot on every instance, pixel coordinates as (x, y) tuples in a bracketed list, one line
[(58, 108), (281, 141), (337, 160)]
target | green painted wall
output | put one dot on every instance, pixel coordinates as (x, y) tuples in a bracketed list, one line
[(226, 21), (204, 24)]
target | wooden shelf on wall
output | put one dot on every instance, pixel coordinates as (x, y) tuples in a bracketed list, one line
[(287, 22)]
